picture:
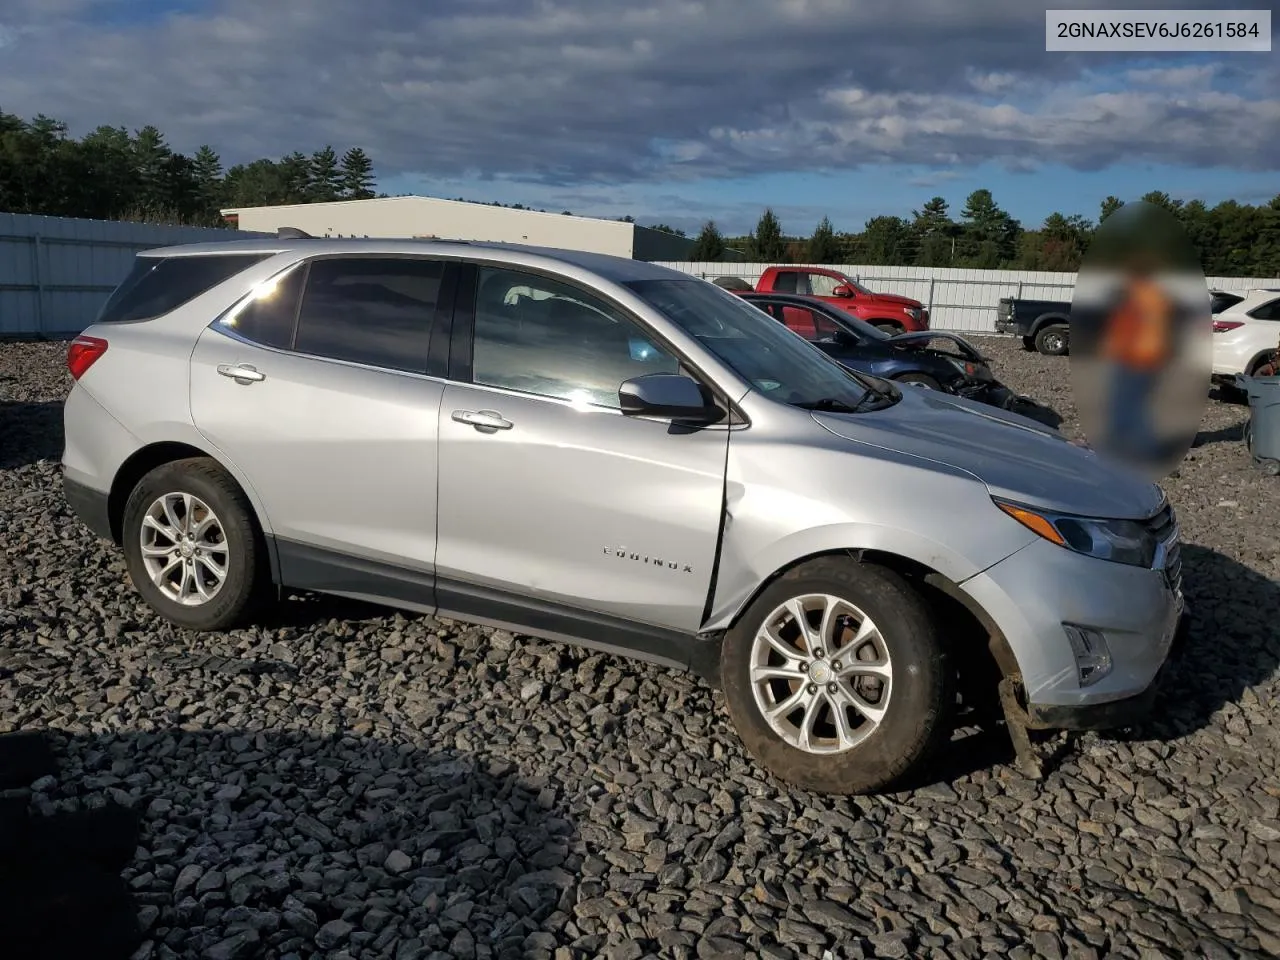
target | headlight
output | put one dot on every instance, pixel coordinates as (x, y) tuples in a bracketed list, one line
[(912, 312), (974, 371), (1121, 541)]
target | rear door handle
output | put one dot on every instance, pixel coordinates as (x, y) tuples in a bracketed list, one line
[(483, 420), (242, 372)]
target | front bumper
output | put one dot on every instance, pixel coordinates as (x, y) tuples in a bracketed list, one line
[(989, 392), (1032, 594), (1112, 713)]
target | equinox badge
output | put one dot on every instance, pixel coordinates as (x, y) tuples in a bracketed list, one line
[(622, 553)]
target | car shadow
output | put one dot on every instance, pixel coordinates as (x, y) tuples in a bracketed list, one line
[(1040, 412), (29, 432), (240, 844)]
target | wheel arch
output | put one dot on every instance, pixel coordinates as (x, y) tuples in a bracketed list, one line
[(972, 628), (1046, 320), (1258, 359), (145, 459)]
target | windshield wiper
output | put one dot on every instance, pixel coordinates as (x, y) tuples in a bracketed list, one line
[(831, 405)]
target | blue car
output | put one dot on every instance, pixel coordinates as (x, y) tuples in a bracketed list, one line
[(906, 358)]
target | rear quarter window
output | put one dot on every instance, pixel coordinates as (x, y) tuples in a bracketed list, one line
[(157, 285)]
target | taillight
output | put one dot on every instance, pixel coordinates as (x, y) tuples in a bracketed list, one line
[(83, 353), (1222, 326)]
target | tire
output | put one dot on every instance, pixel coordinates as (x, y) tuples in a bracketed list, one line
[(236, 546), (890, 328), (1052, 340), (1028, 343), (918, 380), (919, 692)]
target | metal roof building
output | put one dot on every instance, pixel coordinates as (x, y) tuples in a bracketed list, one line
[(428, 217)]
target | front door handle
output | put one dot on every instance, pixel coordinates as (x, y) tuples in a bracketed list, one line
[(242, 372), (484, 420)]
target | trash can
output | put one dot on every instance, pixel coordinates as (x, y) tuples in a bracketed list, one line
[(1262, 432)]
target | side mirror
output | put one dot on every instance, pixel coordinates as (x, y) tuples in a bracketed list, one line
[(842, 290), (667, 395)]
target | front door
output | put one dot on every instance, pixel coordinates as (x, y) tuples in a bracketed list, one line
[(547, 491), (327, 410)]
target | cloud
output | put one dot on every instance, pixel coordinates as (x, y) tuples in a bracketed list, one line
[(572, 92)]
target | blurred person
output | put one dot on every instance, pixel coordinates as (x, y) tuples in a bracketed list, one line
[(1136, 345)]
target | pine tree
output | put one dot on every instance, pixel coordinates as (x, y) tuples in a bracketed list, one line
[(822, 246), (294, 178), (1108, 207), (767, 245), (709, 246), (207, 172), (325, 180), (357, 175)]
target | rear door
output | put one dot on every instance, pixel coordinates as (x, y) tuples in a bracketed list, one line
[(548, 493), (321, 391)]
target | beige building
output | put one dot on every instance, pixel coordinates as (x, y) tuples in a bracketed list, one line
[(427, 217)]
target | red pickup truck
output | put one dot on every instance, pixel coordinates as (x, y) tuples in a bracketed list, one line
[(891, 313)]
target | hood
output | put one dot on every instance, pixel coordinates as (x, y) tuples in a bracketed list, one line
[(901, 301), (963, 347), (1016, 457)]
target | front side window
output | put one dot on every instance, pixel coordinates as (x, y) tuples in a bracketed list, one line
[(544, 337), (373, 310), (157, 285), (746, 339), (823, 286)]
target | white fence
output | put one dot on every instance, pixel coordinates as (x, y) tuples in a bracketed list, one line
[(55, 272), (960, 300)]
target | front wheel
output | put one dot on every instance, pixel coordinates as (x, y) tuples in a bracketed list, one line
[(836, 677), (192, 547), (1028, 343), (893, 329)]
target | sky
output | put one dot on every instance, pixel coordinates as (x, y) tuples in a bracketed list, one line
[(673, 111)]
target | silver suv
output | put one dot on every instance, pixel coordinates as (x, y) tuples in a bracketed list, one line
[(608, 452)]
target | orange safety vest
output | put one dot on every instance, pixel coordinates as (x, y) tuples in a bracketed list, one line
[(1137, 334)]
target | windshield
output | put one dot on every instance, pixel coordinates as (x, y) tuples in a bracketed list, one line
[(777, 362)]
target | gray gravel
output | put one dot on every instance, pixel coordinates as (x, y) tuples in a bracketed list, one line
[(348, 782)]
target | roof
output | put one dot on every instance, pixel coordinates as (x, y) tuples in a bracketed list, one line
[(616, 269)]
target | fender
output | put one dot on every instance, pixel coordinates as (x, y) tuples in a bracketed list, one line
[(740, 578), (1045, 319)]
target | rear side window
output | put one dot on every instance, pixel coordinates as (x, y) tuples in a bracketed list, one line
[(268, 317), (157, 285), (1268, 311), (788, 281), (372, 310)]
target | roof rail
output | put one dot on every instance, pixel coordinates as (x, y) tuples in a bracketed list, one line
[(293, 233)]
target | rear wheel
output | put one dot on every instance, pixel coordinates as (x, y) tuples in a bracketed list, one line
[(836, 677), (1052, 340), (919, 380), (192, 545)]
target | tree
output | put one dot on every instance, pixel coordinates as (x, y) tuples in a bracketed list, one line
[(934, 233), (886, 240), (709, 245), (294, 176), (663, 228), (325, 180), (1109, 206), (357, 175), (990, 235), (822, 246), (207, 172), (767, 244)]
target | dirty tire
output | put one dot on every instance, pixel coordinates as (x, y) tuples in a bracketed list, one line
[(915, 721), (1028, 343), (247, 576), (1053, 341), (919, 380)]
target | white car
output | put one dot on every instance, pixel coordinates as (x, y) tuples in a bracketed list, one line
[(1246, 334)]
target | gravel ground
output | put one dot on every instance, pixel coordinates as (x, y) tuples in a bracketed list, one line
[(343, 781)]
